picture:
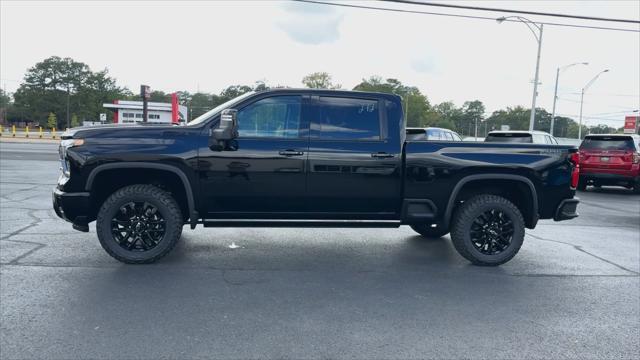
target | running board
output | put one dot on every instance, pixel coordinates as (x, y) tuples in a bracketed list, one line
[(302, 223)]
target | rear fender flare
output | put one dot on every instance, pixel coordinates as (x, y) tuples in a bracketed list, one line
[(454, 194)]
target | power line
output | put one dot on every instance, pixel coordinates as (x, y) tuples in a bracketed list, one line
[(510, 11), (457, 15), (621, 120)]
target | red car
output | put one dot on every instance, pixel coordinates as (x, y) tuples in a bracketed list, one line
[(610, 159)]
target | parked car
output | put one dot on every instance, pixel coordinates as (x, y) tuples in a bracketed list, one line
[(525, 137), (610, 159), (433, 134), (306, 158)]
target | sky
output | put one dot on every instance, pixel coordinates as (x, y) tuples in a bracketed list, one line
[(209, 45)]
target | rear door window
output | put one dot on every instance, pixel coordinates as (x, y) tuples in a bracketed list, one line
[(344, 118), (509, 138), (607, 143)]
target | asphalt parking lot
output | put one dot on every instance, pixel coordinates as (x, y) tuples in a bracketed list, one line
[(573, 291)]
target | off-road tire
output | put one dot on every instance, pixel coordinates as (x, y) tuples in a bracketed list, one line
[(430, 232), (155, 196), (461, 229)]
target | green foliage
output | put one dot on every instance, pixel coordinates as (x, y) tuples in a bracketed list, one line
[(49, 84), (43, 95), (416, 105), (52, 121), (75, 122), (319, 80)]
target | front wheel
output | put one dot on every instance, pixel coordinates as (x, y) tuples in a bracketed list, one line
[(487, 230), (139, 224)]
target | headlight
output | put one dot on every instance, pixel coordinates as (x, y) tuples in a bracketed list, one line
[(62, 150)]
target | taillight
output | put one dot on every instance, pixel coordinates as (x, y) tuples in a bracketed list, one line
[(636, 158), (575, 172), (575, 158)]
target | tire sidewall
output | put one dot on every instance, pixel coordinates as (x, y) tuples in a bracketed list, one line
[(516, 241), (109, 242)]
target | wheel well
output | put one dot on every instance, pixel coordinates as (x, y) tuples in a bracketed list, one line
[(109, 181), (518, 192)]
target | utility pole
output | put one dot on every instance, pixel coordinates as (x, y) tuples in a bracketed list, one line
[(582, 99), (555, 93), (530, 24), (145, 93), (68, 100), (532, 119)]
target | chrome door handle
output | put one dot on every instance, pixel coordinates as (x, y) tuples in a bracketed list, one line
[(382, 155), (290, 152)]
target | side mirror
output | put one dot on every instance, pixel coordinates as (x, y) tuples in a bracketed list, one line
[(227, 129)]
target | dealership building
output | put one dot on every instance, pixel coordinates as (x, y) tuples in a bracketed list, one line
[(128, 112)]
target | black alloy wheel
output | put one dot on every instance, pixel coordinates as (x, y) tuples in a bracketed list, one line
[(487, 230), (138, 226), (492, 232)]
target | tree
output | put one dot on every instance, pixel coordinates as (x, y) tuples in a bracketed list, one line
[(5, 105), (74, 121), (64, 86), (473, 114), (52, 121), (319, 80), (416, 105)]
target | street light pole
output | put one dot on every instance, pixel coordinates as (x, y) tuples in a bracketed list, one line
[(538, 37), (555, 93), (582, 99), (532, 119)]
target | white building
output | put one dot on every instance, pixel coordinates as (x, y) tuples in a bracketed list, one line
[(127, 112)]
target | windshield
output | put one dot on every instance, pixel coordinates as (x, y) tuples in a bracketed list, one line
[(607, 143), (509, 137), (200, 119)]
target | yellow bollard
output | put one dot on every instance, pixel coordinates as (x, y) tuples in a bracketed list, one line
[(40, 132), (53, 132), (13, 130), (0, 130), (26, 131)]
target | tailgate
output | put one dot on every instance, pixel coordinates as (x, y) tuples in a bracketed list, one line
[(612, 159)]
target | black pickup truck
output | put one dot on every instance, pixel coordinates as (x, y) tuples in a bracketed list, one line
[(307, 158)]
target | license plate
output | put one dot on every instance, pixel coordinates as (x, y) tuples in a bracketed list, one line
[(604, 159)]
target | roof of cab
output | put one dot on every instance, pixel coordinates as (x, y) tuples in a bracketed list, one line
[(635, 136), (330, 92)]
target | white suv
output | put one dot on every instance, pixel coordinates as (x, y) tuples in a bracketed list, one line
[(515, 136)]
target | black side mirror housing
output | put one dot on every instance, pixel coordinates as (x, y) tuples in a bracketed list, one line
[(226, 131)]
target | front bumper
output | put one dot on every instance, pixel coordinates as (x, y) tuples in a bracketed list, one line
[(72, 207), (567, 210)]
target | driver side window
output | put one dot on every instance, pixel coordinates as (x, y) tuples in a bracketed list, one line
[(273, 117)]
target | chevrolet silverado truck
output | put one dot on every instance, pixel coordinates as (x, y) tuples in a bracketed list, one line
[(307, 158)]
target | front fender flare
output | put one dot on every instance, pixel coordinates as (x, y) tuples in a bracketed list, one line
[(193, 214)]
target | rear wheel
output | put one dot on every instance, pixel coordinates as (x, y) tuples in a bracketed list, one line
[(429, 231), (487, 230), (636, 187), (139, 224)]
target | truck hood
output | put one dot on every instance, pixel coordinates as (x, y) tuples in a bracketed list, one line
[(83, 132)]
